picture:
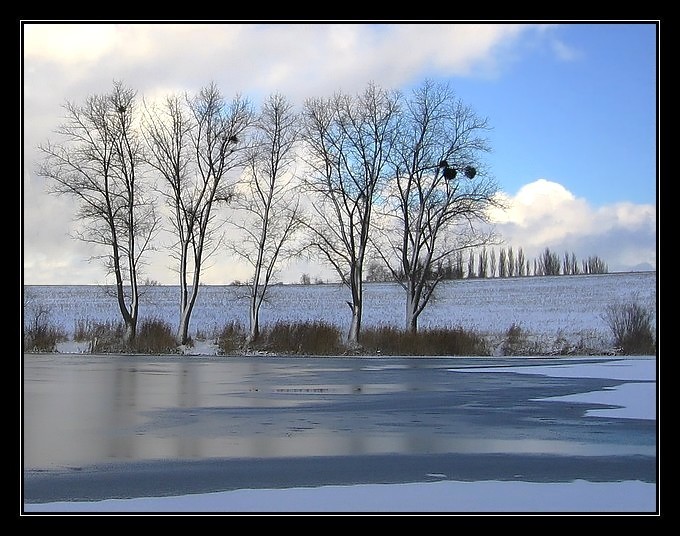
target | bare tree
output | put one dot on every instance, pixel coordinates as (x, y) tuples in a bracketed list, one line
[(194, 143), (458, 268), (471, 265), (437, 195), (271, 212), (575, 270), (549, 263), (349, 140), (594, 265), (522, 264), (511, 262), (99, 162), (566, 264), (503, 263), (483, 269), (377, 273)]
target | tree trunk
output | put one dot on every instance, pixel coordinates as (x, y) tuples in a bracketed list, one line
[(356, 305), (183, 329), (254, 323), (134, 307), (130, 331), (355, 326), (129, 318), (187, 301), (413, 296), (411, 314), (185, 317)]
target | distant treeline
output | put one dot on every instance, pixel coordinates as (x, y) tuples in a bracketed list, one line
[(508, 263)]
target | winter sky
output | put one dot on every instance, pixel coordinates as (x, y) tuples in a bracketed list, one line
[(573, 107)]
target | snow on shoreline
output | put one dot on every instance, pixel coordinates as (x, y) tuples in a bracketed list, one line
[(435, 497)]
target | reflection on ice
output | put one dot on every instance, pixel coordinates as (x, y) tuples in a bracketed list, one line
[(303, 442)]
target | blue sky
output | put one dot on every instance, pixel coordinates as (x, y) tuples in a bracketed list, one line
[(572, 106), (580, 111)]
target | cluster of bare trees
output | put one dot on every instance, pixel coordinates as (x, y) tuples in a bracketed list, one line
[(549, 263), (486, 264), (399, 178), (511, 264), (377, 174)]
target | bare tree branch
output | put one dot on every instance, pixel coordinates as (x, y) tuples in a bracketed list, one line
[(194, 144), (437, 184), (270, 214), (99, 162), (349, 140)]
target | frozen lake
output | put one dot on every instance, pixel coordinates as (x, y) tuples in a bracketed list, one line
[(123, 426)]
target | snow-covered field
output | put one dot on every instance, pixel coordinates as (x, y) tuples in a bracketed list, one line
[(549, 308)]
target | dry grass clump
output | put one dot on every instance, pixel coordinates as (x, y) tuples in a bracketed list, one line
[(40, 335), (631, 326), (389, 340), (103, 337), (324, 339), (154, 336), (302, 338), (232, 338)]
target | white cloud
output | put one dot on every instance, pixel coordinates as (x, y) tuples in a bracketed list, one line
[(564, 52), (545, 214), (290, 58), (68, 43)]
